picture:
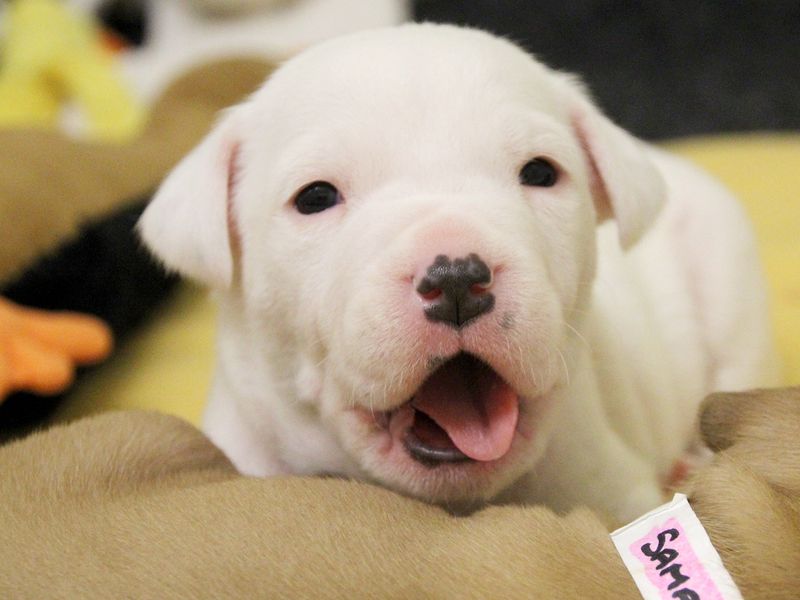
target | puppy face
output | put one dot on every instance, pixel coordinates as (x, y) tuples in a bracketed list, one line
[(406, 220)]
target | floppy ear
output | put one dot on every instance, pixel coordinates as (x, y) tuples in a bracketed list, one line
[(625, 183), (188, 223)]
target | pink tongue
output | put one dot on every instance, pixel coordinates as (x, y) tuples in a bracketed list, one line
[(476, 408)]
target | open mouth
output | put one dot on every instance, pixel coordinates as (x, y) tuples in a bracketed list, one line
[(463, 412)]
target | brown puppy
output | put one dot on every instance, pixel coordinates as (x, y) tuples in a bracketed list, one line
[(142, 505)]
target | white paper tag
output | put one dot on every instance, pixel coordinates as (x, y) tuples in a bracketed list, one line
[(669, 555)]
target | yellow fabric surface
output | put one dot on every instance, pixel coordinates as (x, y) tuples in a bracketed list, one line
[(167, 365)]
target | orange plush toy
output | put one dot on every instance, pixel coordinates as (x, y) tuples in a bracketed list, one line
[(39, 350)]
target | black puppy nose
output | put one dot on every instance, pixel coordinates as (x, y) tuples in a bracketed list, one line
[(457, 290)]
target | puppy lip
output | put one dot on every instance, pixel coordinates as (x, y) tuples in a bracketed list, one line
[(445, 435), (429, 455)]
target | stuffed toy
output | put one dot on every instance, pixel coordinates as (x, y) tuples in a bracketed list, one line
[(52, 185), (40, 349), (51, 56), (66, 234), (182, 34)]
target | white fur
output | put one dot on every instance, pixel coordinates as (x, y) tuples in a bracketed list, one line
[(424, 128)]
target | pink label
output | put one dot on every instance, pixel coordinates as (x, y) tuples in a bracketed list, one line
[(672, 565)]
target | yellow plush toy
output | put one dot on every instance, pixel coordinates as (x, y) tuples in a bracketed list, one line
[(51, 56)]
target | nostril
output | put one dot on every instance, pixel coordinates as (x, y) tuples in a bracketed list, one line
[(432, 294), (478, 289), (428, 290)]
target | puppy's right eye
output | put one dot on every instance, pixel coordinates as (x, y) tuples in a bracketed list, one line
[(538, 172), (316, 197)]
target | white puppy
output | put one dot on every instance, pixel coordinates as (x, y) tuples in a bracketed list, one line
[(402, 227)]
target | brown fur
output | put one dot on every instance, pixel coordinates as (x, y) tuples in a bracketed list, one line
[(142, 505), (749, 499)]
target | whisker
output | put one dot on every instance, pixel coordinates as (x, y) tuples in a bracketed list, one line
[(566, 367), (578, 335)]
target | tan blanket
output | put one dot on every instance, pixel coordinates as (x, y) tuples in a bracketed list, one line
[(140, 505)]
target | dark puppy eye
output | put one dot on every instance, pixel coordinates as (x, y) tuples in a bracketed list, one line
[(538, 172), (316, 197)]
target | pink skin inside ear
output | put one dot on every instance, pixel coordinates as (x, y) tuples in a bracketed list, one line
[(233, 230), (602, 200)]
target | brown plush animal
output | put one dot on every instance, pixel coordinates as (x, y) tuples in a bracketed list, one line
[(52, 184), (142, 505)]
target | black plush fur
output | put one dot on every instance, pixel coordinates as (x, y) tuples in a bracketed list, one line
[(106, 272), (127, 18)]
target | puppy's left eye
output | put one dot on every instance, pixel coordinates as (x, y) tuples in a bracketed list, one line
[(316, 197), (539, 173)]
